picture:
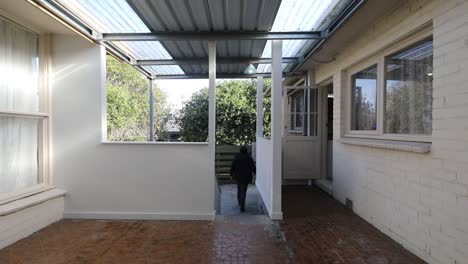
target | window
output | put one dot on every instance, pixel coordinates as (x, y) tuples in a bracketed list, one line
[(297, 111), (302, 111), (22, 124), (408, 90), (392, 99), (364, 99)]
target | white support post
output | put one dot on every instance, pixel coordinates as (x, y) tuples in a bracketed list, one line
[(308, 82), (259, 106), (151, 121), (276, 126), (212, 98)]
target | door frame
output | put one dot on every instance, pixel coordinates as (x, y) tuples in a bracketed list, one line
[(323, 86), (286, 114)]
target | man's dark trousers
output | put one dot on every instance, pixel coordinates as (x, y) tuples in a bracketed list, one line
[(241, 194)]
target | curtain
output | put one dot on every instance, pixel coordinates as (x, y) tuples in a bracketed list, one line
[(18, 92)]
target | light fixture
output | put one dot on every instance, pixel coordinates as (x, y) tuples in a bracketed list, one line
[(429, 74), (250, 69)]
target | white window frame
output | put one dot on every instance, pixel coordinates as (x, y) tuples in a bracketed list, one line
[(44, 182), (292, 127), (379, 59), (354, 71)]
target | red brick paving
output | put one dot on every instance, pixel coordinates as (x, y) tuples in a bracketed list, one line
[(221, 241), (317, 229), (323, 231)]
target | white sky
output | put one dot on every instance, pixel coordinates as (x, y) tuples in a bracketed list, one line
[(179, 91)]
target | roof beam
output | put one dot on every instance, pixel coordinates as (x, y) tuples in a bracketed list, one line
[(207, 35), (219, 60), (227, 75)]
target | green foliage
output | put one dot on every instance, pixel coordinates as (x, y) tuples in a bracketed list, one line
[(194, 118), (128, 103), (235, 114)]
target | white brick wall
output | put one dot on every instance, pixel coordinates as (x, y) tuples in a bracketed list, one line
[(420, 200), (23, 223)]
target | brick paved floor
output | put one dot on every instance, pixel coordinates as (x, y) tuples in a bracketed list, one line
[(322, 230), (317, 229), (226, 240)]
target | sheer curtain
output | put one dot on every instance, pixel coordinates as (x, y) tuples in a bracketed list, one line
[(18, 93)]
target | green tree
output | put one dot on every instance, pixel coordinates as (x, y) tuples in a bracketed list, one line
[(235, 114), (193, 119), (128, 103)]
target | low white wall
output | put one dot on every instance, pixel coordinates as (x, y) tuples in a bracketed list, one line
[(420, 200), (20, 224), (264, 159), (128, 181)]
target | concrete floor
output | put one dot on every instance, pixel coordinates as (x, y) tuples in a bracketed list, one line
[(253, 201), (316, 229)]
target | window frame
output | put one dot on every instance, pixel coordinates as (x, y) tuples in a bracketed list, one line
[(292, 127), (44, 179), (379, 58), (350, 92)]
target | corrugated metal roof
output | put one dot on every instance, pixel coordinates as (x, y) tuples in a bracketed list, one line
[(126, 16), (209, 15)]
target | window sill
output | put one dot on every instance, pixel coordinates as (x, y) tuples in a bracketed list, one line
[(417, 147), (20, 204), (153, 143)]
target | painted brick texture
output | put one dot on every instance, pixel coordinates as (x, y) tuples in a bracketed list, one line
[(420, 200), (23, 223)]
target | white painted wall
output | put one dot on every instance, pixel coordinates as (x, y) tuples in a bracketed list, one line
[(144, 181), (420, 200), (264, 160)]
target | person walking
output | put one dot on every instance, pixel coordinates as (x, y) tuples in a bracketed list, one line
[(242, 170)]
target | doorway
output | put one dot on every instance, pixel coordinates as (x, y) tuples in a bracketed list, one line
[(326, 126), (301, 140), (236, 128)]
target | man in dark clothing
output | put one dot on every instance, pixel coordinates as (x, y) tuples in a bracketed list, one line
[(242, 170)]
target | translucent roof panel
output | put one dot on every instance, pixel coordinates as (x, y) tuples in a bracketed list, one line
[(301, 15), (116, 16), (110, 16), (266, 68), (164, 69), (144, 50)]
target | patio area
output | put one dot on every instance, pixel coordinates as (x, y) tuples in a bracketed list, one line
[(320, 230)]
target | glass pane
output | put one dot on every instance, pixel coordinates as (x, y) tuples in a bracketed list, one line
[(408, 94), (313, 124), (364, 99), (18, 153), (291, 121), (298, 120), (292, 104), (299, 101), (19, 67)]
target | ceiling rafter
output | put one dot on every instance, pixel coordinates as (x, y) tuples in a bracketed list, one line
[(219, 60), (210, 35)]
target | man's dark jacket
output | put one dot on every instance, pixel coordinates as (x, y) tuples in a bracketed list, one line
[(242, 168)]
